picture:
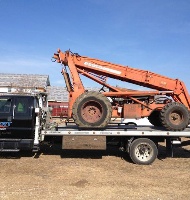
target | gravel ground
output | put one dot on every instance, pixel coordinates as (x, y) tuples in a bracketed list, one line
[(95, 175)]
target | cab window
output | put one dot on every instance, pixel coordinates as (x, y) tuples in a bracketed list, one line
[(21, 105), (5, 105)]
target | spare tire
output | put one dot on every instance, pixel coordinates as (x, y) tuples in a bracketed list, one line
[(174, 116), (92, 110)]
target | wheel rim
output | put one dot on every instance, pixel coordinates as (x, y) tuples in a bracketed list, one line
[(143, 152), (176, 118), (91, 111)]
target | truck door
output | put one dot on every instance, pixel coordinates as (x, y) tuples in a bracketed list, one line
[(17, 117), (23, 116)]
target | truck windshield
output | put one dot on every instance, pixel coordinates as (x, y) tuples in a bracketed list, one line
[(5, 105)]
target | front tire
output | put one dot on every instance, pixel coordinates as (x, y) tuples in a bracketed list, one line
[(92, 110)]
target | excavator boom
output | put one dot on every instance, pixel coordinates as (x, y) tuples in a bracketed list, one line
[(145, 78)]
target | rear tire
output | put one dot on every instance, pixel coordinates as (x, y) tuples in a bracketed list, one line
[(175, 116), (143, 151), (154, 118), (92, 110)]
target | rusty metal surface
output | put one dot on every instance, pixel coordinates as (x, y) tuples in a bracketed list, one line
[(132, 111), (92, 111)]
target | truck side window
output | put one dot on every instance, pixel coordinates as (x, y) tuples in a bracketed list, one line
[(21, 105), (5, 105)]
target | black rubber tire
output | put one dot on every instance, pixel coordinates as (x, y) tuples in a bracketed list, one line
[(90, 99), (175, 116), (154, 118), (143, 151)]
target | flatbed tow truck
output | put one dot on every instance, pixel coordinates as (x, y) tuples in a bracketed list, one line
[(25, 122), (29, 128)]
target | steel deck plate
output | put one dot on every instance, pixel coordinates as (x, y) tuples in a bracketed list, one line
[(117, 131)]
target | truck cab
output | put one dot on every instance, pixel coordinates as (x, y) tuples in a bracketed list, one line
[(17, 121)]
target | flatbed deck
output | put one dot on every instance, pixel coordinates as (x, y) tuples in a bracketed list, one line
[(113, 130)]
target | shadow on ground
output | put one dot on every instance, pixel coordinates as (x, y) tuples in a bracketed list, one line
[(178, 152)]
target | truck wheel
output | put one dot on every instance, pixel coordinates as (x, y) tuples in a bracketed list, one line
[(92, 110), (143, 151), (154, 118), (175, 116)]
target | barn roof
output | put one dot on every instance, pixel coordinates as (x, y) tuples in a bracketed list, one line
[(24, 80)]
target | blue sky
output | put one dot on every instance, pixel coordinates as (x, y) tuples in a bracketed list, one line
[(147, 34)]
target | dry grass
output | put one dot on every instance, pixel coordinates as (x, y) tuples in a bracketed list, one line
[(74, 175)]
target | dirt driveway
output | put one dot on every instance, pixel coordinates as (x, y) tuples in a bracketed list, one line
[(70, 175)]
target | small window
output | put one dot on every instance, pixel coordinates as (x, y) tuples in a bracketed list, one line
[(36, 103), (5, 105), (21, 105)]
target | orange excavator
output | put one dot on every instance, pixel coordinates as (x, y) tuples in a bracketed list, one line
[(166, 105)]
